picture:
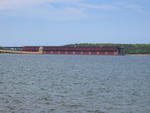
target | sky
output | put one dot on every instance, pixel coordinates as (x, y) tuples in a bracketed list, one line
[(60, 22)]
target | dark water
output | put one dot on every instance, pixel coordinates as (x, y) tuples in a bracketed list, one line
[(74, 84)]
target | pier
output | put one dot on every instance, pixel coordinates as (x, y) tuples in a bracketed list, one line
[(64, 50), (18, 52)]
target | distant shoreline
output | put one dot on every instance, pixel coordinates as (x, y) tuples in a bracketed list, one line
[(96, 55), (137, 54)]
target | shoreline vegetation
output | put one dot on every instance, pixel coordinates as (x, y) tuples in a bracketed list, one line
[(137, 54), (129, 49)]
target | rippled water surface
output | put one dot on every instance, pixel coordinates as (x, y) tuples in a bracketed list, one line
[(74, 84)]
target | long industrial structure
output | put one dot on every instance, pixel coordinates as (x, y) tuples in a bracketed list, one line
[(68, 50)]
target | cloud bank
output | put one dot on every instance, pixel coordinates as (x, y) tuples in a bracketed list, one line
[(57, 9), (22, 3)]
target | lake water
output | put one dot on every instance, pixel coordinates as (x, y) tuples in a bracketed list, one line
[(74, 84)]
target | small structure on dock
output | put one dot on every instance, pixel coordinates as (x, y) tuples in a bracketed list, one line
[(41, 50)]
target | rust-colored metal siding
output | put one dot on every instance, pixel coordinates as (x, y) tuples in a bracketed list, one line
[(31, 48), (76, 50)]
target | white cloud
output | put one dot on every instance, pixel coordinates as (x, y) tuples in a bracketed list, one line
[(33, 9), (73, 9), (5, 4), (133, 6), (51, 13), (66, 13), (101, 7)]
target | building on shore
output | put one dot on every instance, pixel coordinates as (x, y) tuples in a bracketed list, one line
[(73, 50), (70, 50)]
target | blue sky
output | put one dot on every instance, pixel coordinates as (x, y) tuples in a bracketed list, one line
[(59, 22)]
